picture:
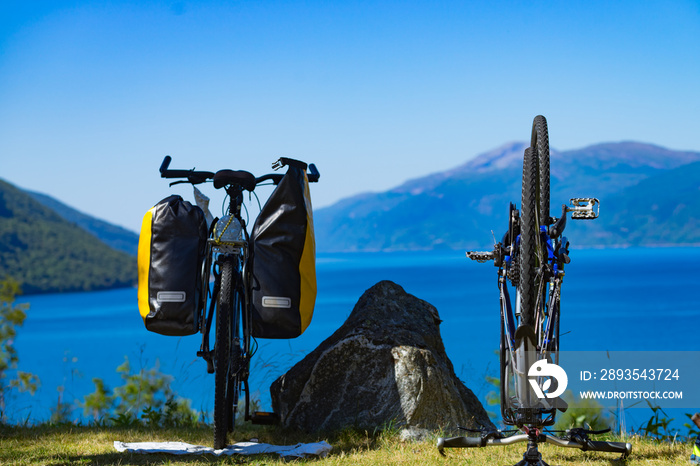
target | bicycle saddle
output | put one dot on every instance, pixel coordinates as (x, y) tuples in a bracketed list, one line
[(240, 177)]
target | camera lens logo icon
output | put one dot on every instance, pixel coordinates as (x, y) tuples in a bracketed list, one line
[(551, 371)]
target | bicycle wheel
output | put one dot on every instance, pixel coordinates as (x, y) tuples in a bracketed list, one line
[(529, 236), (539, 142), (222, 355)]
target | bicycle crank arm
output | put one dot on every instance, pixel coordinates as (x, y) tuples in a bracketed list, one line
[(584, 208)]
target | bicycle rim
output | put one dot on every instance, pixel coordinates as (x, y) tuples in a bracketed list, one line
[(222, 355), (539, 143)]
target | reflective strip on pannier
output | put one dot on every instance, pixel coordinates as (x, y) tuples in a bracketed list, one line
[(283, 277), (171, 252)]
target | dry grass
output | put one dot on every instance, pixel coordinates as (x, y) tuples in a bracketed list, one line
[(63, 445)]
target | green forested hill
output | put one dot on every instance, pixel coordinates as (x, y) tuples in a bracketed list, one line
[(113, 236), (49, 254)]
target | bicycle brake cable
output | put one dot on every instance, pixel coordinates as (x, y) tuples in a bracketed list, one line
[(257, 199), (223, 205), (247, 214)]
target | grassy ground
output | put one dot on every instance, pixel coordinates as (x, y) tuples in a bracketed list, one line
[(63, 445)]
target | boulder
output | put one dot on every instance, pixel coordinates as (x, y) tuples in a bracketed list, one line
[(385, 366)]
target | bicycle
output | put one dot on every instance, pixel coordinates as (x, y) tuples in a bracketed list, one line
[(532, 256), (228, 258)]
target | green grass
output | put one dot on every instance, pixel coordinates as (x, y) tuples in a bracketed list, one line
[(68, 444)]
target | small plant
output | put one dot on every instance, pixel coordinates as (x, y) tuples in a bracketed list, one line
[(62, 411), (11, 318), (98, 403), (658, 426), (493, 398), (124, 420), (145, 397), (585, 413), (693, 431)]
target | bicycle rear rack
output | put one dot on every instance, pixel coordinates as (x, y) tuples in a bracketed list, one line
[(574, 438)]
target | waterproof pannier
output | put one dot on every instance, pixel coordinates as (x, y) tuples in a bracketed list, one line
[(283, 277), (171, 252)]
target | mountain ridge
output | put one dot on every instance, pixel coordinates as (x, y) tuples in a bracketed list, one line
[(457, 208), (114, 236), (647, 195)]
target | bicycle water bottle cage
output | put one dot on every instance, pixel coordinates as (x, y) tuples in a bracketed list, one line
[(584, 208)]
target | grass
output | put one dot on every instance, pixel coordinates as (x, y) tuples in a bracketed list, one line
[(90, 445)]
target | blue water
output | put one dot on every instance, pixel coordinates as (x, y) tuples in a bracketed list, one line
[(613, 299)]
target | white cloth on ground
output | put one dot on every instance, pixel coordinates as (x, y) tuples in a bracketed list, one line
[(300, 450)]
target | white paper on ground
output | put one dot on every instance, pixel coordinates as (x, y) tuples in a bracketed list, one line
[(301, 450)]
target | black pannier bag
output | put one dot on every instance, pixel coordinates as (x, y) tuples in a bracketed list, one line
[(171, 252), (283, 276)]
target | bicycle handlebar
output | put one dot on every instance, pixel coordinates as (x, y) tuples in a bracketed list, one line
[(583, 444), (196, 177)]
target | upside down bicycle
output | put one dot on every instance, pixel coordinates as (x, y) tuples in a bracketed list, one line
[(531, 257), (230, 300)]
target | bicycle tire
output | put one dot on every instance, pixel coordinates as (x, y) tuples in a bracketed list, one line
[(506, 375), (539, 142), (222, 355), (529, 232), (234, 380)]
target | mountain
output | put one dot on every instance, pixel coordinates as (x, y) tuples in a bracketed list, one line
[(113, 236), (47, 253), (458, 208), (660, 210)]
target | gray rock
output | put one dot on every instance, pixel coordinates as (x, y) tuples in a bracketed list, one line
[(385, 366)]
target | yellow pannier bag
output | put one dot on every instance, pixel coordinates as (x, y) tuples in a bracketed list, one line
[(171, 252), (283, 255)]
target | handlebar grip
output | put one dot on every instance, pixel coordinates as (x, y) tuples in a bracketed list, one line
[(314, 175), (460, 442), (166, 163), (612, 447), (165, 173)]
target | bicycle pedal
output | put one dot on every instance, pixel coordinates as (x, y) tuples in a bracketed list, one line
[(263, 418), (584, 208), (480, 256)]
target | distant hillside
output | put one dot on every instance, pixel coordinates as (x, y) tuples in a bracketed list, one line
[(114, 236), (660, 210), (458, 208), (46, 253)]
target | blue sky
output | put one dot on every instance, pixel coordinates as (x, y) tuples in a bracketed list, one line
[(94, 94)]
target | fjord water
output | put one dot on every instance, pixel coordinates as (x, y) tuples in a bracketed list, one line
[(613, 299)]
